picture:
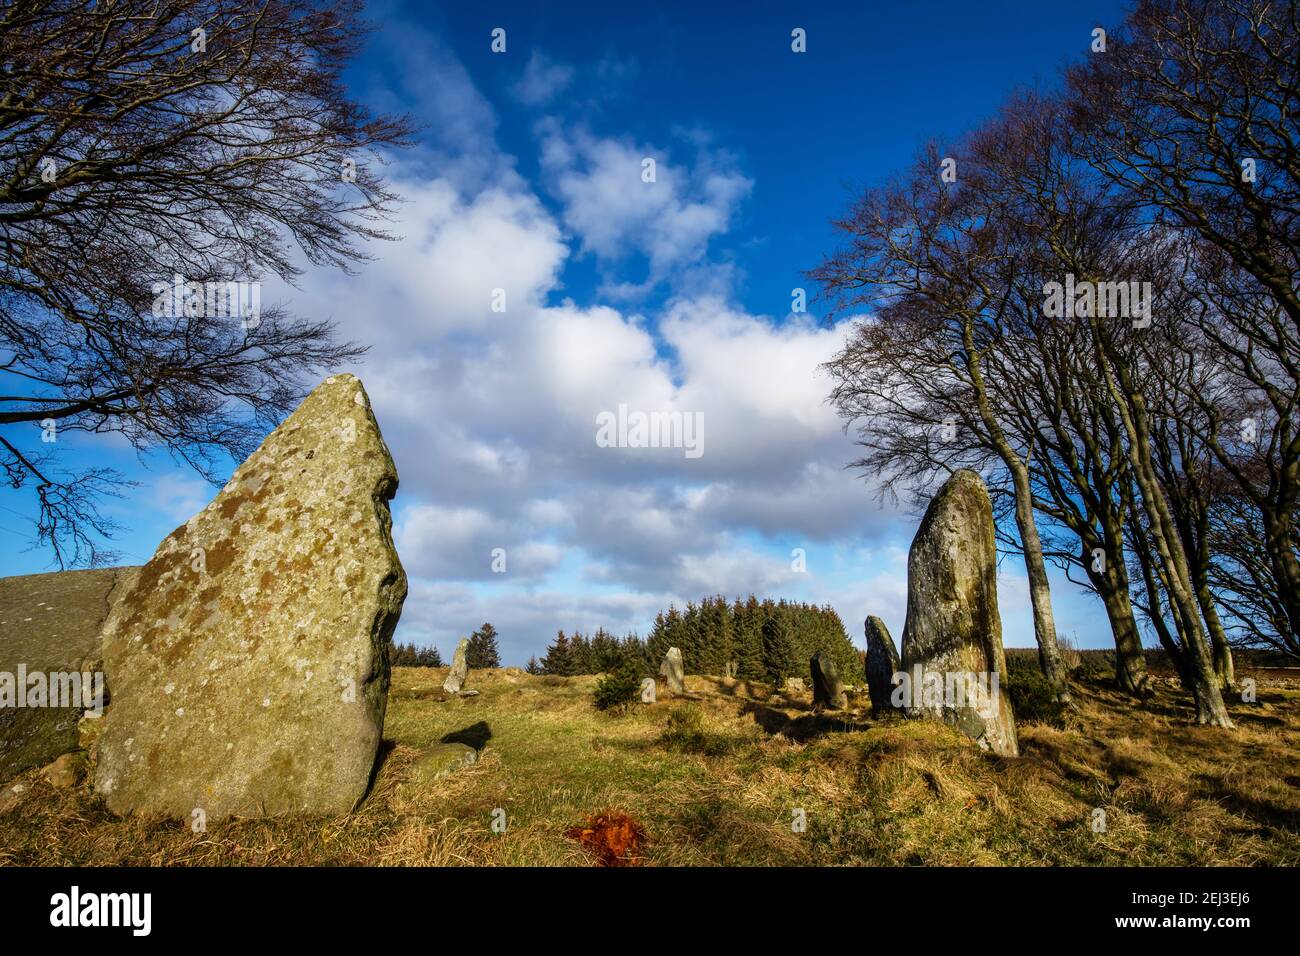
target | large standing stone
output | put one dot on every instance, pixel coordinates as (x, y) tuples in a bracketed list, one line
[(248, 661), (459, 668), (828, 690), (672, 671), (952, 642), (882, 663), (49, 635)]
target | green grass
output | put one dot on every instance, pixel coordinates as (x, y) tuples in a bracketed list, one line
[(711, 785)]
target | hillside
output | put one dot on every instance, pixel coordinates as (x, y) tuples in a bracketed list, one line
[(716, 780)]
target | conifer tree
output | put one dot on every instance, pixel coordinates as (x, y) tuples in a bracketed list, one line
[(558, 659), (482, 651)]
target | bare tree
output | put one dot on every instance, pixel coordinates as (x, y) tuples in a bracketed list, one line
[(157, 160), (1191, 112), (938, 267)]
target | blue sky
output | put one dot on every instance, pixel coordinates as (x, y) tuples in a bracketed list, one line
[(674, 295)]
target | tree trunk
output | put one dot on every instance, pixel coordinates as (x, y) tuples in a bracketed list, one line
[(1223, 667), (1040, 590), (1112, 585), (1210, 708)]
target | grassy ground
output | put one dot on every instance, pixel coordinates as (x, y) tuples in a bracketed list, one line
[(717, 780)]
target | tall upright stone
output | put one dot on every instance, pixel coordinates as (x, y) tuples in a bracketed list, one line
[(248, 661), (459, 668), (828, 690), (673, 672), (952, 641), (882, 663)]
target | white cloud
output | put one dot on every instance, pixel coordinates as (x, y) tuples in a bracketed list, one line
[(615, 213), (543, 80), (491, 417)]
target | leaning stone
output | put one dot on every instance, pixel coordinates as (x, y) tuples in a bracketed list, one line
[(459, 668), (440, 760), (953, 635), (647, 690), (50, 626), (828, 690), (882, 663), (248, 660), (672, 671)]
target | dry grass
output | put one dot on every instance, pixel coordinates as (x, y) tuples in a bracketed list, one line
[(717, 780)]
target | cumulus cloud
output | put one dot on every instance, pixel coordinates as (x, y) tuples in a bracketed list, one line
[(543, 80), (615, 213), (491, 416)]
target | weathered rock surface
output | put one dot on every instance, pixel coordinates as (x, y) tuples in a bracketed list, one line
[(647, 690), (66, 772), (828, 689), (49, 624), (673, 672), (459, 668), (248, 658), (882, 662), (441, 759), (794, 685), (953, 632)]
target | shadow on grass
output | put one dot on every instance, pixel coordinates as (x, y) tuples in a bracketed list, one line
[(1263, 812), (805, 727), (475, 735)]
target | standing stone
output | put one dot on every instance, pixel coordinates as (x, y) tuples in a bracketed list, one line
[(459, 668), (248, 661), (952, 641), (794, 685), (672, 671), (828, 690), (50, 626), (647, 690), (882, 663)]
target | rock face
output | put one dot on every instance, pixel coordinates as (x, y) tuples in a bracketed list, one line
[(647, 690), (49, 627), (440, 760), (459, 668), (248, 658), (673, 672), (952, 642), (882, 663), (828, 690)]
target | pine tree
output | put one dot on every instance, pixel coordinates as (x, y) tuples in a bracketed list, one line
[(747, 636), (482, 651), (533, 667), (558, 659), (580, 654), (606, 652)]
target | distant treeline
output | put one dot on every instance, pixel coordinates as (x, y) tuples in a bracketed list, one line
[(765, 640), (408, 655)]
